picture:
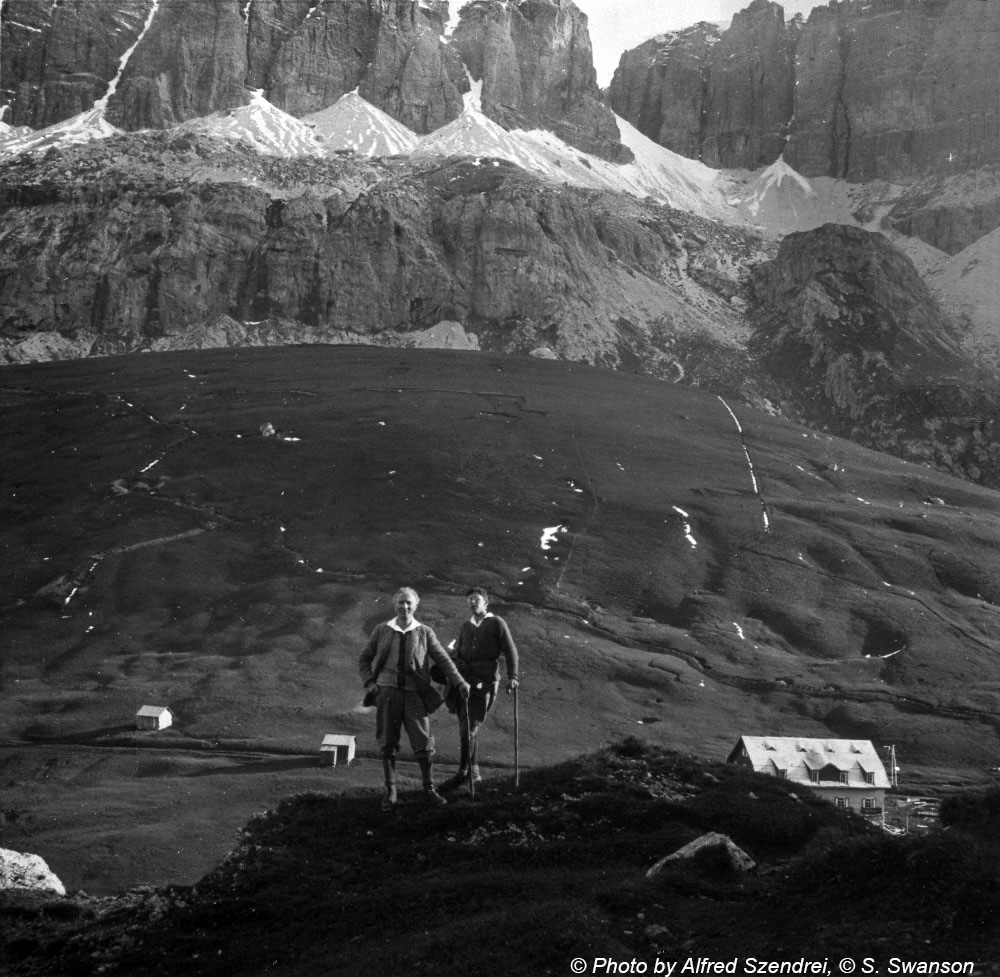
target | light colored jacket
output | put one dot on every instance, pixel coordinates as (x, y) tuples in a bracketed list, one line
[(422, 649)]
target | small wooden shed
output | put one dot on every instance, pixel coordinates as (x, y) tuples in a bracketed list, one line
[(337, 750), (153, 717)]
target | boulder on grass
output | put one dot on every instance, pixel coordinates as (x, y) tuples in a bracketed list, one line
[(713, 852), (21, 871)]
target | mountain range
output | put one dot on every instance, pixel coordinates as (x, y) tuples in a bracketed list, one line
[(802, 214)]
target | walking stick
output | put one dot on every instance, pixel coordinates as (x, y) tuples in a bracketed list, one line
[(517, 766), (468, 739)]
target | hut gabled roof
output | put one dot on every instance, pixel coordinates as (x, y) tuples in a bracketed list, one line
[(792, 754)]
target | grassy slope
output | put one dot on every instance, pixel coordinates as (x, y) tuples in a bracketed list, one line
[(236, 578)]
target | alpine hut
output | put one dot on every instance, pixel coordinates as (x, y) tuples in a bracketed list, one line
[(847, 773)]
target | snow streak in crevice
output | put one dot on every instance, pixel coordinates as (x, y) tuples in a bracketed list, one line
[(753, 475), (102, 103), (687, 526)]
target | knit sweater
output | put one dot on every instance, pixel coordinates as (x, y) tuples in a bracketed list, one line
[(421, 649), (479, 648)]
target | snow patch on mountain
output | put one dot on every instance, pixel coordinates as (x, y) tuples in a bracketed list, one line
[(781, 200), (776, 198), (9, 132), (473, 98), (473, 134), (355, 124), (266, 127), (78, 129)]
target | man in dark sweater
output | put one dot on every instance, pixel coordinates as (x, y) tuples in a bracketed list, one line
[(482, 640)]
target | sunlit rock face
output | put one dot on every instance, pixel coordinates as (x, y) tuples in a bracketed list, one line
[(660, 87), (536, 64), (884, 89), (159, 62)]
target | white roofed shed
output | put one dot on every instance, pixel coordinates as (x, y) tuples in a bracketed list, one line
[(337, 749), (153, 717)]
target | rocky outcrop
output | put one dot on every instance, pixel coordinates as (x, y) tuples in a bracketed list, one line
[(306, 55), (886, 89), (115, 242), (536, 64), (843, 320), (22, 871), (749, 92), (724, 98), (660, 88)]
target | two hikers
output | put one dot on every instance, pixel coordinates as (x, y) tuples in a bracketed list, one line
[(396, 671)]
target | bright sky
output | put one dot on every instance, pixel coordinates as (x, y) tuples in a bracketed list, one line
[(617, 25)]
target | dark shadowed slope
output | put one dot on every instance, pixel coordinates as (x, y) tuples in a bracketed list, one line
[(525, 883), (671, 565)]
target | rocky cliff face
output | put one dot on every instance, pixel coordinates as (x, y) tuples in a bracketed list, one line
[(886, 89), (59, 58), (843, 320), (724, 98), (660, 88), (160, 63), (896, 89), (749, 91), (159, 241), (536, 64), (194, 59), (306, 55)]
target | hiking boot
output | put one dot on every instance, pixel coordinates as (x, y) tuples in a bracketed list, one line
[(454, 782), (431, 797), (391, 799)]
